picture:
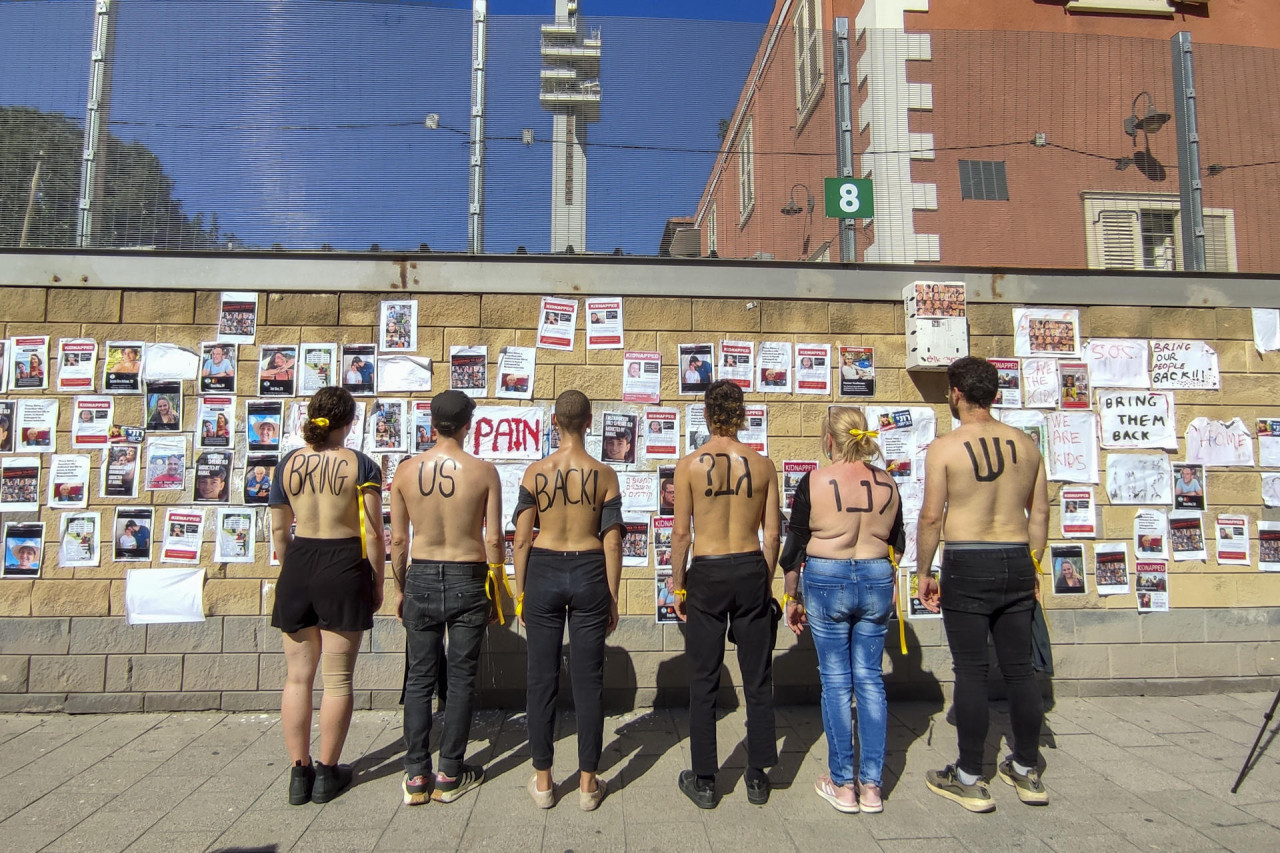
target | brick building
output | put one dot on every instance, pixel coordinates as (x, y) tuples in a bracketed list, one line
[(947, 98)]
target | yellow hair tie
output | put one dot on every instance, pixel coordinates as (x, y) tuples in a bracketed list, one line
[(324, 422), (859, 434)]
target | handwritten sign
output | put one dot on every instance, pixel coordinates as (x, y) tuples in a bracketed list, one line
[(1040, 383), (1137, 420), (639, 491), (1117, 362), (1073, 447), (1217, 444), (1184, 364), (507, 432)]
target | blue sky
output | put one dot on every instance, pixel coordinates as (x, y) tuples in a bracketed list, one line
[(246, 103)]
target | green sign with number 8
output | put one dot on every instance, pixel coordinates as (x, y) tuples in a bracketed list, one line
[(849, 198)]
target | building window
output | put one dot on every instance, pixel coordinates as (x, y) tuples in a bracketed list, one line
[(1163, 8), (983, 180), (712, 229), (746, 172), (1143, 231), (807, 25)]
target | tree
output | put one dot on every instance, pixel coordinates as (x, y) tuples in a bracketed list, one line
[(137, 208)]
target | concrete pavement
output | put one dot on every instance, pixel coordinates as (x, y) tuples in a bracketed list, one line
[(1124, 773)]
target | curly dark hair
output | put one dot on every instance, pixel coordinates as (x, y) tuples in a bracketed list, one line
[(725, 412), (333, 403), (976, 380)]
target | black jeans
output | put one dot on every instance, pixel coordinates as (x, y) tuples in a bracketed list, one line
[(440, 596), (735, 589), (564, 586), (990, 592)]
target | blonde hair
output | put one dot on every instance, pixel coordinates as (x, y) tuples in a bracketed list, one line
[(845, 447)]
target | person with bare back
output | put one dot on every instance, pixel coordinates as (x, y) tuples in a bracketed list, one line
[(985, 492), (453, 503), (573, 574), (728, 493)]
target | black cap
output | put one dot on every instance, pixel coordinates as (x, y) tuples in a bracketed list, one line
[(450, 411)]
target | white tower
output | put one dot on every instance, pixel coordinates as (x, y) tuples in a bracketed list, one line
[(571, 91)]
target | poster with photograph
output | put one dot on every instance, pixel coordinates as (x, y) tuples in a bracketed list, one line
[(857, 372), (905, 434), (696, 364), (1268, 443), (398, 326), (213, 477), (469, 370), (1271, 490), (793, 472), (388, 424), (1139, 478), (755, 428), (318, 365), (1137, 420), (166, 463), (1111, 568), (164, 406), (1040, 388), (1191, 365), (639, 491), (641, 377), (1188, 486), (1008, 383), (1269, 546), (28, 363), (1073, 447), (664, 598), (122, 368), (666, 489), (1117, 362), (661, 433), (68, 481), (183, 535), (37, 425), (404, 374), (262, 424), (635, 541), (1051, 332), (515, 373), (507, 432), (1233, 540), (238, 317), (218, 368), (77, 364), (1073, 385), (912, 606), (1069, 577), (359, 368), (1151, 535), (661, 536), (19, 484), (23, 549), (91, 422), (1186, 536), (424, 435), (696, 431), (1079, 514), (1219, 444), (215, 422), (277, 371), (557, 323), (259, 468), (131, 534), (604, 323), (1153, 586), (813, 369), (120, 464), (78, 539), (737, 360), (8, 418), (235, 536), (619, 430)]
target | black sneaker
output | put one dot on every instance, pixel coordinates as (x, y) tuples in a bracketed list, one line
[(447, 790), (758, 788), (701, 792), (417, 789), (302, 778), (1029, 787), (946, 783), (331, 780)]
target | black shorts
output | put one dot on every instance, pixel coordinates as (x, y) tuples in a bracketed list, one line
[(324, 582)]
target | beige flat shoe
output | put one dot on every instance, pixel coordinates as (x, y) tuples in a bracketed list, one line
[(589, 801), (541, 799)]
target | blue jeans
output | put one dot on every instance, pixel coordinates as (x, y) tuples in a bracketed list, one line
[(848, 603)]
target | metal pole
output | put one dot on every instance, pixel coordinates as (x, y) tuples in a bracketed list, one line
[(1190, 199), (31, 200), (97, 116), (475, 214), (844, 135)]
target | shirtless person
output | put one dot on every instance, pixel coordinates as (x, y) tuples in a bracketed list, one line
[(985, 491), (574, 574), (730, 492), (454, 503)]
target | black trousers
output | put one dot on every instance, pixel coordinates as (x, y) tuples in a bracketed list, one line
[(566, 586), (989, 592), (733, 590)]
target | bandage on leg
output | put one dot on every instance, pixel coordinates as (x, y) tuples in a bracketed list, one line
[(336, 669)]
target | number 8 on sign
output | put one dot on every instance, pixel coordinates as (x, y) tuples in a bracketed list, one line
[(849, 198)]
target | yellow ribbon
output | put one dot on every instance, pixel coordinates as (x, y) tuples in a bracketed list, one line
[(681, 594), (491, 593), (519, 605), (500, 571), (324, 422), (859, 434), (897, 603)]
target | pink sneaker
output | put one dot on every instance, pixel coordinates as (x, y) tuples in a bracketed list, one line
[(869, 799), (843, 798)]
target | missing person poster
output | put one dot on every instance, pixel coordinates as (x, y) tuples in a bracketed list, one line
[(259, 468), (1188, 486), (1079, 516), (1151, 535), (19, 483), (166, 463), (215, 422), (398, 326), (234, 538), (697, 432), (857, 372), (755, 428), (91, 422), (213, 477), (664, 598), (515, 373), (122, 368), (183, 535), (164, 406), (666, 489), (277, 371), (262, 424), (131, 534), (641, 377), (317, 367), (8, 417), (661, 433), (359, 368), (1186, 535), (661, 537), (773, 367), (1111, 568), (913, 606), (792, 473), (619, 445), (737, 359), (387, 426), (68, 481), (1073, 385), (813, 369), (218, 368), (1008, 383), (557, 323), (696, 364), (77, 364), (424, 435), (1068, 569), (23, 549), (469, 370), (37, 425), (120, 464), (1269, 546), (28, 363), (604, 323), (1233, 540), (635, 541), (1153, 586), (238, 317), (78, 539)]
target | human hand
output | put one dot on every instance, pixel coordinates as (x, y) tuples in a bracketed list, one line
[(797, 619), (682, 609), (613, 617), (929, 593)]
